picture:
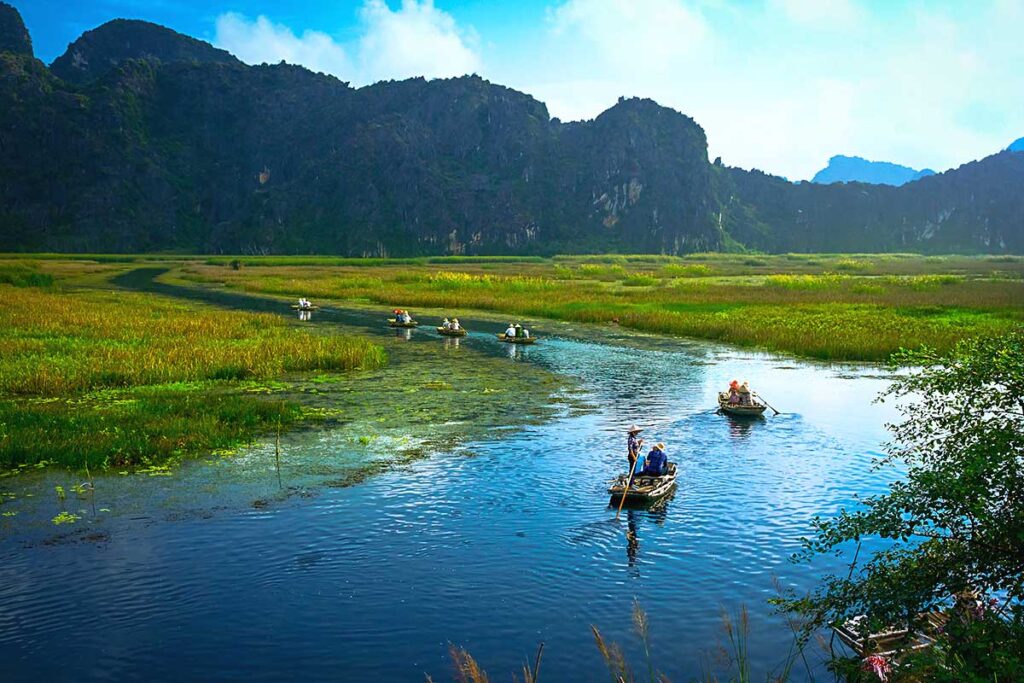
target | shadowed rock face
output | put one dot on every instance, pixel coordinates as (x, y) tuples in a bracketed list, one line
[(97, 51), (14, 36), (141, 139)]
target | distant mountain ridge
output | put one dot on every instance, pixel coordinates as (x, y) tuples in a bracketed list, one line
[(142, 139), (1016, 145), (846, 169)]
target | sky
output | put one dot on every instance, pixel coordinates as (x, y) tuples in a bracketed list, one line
[(779, 85)]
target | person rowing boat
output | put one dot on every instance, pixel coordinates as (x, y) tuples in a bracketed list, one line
[(648, 478), (633, 445)]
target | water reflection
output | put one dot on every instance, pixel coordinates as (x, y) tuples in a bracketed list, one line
[(657, 513), (632, 538), (305, 315), (518, 352), (741, 427), (451, 343), (403, 333)]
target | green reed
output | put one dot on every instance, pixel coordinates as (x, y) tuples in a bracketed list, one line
[(97, 378), (811, 311)]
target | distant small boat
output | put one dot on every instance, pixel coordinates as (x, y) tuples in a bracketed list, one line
[(305, 308), (393, 322), (448, 332), (752, 410), (644, 489), (517, 340)]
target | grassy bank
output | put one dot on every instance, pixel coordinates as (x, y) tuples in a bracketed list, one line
[(834, 307), (116, 379)]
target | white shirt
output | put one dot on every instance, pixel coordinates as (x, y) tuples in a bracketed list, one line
[(510, 332)]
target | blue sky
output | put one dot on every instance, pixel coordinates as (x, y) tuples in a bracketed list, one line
[(780, 85)]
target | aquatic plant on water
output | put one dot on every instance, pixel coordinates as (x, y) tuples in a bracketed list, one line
[(65, 518)]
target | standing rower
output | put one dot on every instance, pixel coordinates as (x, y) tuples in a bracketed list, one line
[(633, 446)]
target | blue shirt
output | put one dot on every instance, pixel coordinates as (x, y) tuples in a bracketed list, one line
[(657, 462)]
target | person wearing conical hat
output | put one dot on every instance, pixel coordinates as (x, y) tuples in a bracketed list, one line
[(744, 393), (633, 445), (446, 324), (455, 323), (511, 331), (657, 462), (519, 330)]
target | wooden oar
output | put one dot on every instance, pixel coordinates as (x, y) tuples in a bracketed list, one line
[(629, 481), (766, 403)]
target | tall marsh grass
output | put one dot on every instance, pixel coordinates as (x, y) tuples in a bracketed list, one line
[(734, 661), (824, 314), (97, 379), (54, 344), (24, 275)]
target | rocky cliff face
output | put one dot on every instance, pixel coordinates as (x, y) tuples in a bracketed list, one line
[(14, 36), (150, 151), (978, 207), (96, 52), (141, 139)]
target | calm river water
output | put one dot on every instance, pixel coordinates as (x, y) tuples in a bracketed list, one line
[(497, 551)]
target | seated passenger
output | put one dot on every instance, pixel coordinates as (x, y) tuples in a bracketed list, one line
[(446, 325), (526, 333), (744, 394), (657, 462), (519, 330), (455, 323), (511, 331)]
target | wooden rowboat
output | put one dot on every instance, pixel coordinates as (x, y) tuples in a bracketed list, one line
[(517, 340), (753, 410), (448, 332), (891, 641), (644, 489), (393, 322), (305, 308)]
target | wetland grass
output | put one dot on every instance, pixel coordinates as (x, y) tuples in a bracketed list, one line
[(831, 307), (57, 343), (98, 379)]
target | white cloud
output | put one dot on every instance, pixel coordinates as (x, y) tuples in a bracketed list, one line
[(260, 40), (782, 85), (624, 34), (820, 13), (417, 39)]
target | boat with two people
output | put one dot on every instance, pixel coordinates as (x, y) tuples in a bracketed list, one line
[(305, 305), (739, 401), (402, 319), (451, 328), (648, 479), (516, 334)]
